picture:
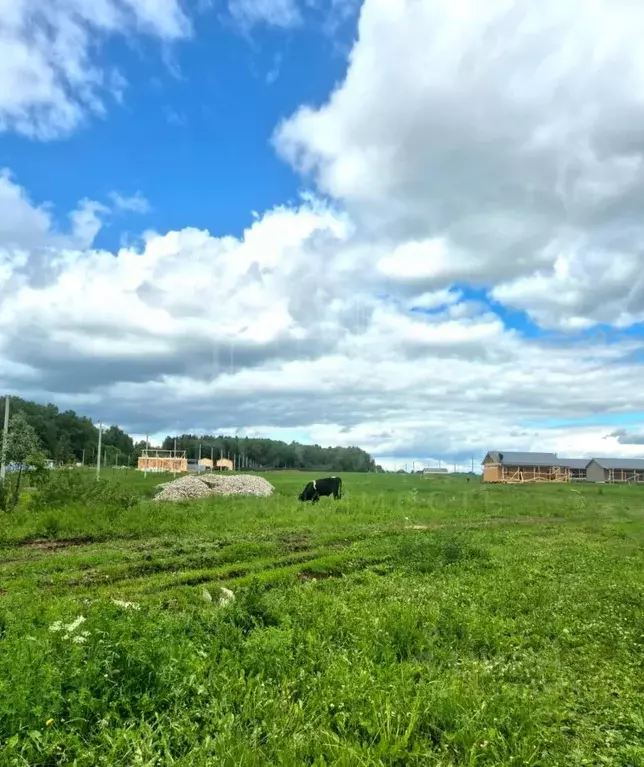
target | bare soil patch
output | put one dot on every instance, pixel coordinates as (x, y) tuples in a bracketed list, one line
[(59, 543)]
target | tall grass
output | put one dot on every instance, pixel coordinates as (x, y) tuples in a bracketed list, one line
[(414, 622)]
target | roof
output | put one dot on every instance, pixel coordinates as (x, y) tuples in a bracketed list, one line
[(574, 463), (636, 464), (508, 458)]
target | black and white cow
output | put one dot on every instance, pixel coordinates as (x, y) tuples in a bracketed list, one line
[(318, 487)]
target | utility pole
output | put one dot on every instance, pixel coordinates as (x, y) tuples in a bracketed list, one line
[(98, 458), (5, 438), (83, 458)]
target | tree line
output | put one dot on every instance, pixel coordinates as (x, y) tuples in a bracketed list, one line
[(66, 437), (271, 453)]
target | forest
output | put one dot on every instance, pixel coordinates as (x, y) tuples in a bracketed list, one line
[(66, 437)]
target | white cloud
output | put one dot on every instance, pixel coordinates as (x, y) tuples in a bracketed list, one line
[(471, 144), (275, 13), (22, 224), (51, 76), (276, 332), (134, 204), (492, 143)]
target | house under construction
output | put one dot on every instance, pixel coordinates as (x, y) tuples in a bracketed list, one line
[(175, 461), (515, 467)]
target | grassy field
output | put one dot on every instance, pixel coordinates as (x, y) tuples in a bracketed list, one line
[(414, 622)]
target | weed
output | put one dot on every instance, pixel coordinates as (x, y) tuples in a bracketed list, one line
[(495, 626)]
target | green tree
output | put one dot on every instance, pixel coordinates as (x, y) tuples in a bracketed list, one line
[(64, 452), (23, 445)]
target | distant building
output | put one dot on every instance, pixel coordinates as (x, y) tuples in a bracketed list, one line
[(435, 470), (162, 461), (576, 467), (225, 464), (618, 470), (509, 466)]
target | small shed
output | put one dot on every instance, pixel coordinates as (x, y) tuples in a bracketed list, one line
[(616, 470), (207, 462), (511, 467), (225, 464)]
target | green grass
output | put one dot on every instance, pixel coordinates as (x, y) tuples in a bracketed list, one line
[(414, 622)]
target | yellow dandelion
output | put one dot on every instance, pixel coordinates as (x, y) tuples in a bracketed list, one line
[(49, 723)]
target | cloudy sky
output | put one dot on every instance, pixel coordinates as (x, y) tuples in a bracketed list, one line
[(411, 225)]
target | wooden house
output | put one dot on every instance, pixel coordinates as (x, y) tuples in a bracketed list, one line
[(516, 467)]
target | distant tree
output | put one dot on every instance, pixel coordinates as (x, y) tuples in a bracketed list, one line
[(66, 436), (118, 439), (64, 452), (23, 445), (271, 453)]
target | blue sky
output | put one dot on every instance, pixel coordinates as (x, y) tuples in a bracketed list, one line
[(193, 131), (359, 312)]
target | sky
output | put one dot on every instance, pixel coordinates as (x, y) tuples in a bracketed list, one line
[(408, 225)]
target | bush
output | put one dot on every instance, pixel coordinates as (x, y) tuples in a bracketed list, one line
[(69, 487)]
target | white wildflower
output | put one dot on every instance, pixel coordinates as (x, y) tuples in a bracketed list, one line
[(206, 595), (126, 605), (226, 597), (56, 626), (75, 624)]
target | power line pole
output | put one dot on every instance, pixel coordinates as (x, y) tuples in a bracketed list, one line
[(5, 438), (98, 458)]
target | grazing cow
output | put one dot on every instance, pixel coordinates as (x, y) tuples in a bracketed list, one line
[(318, 487)]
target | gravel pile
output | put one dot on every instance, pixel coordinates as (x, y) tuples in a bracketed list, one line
[(192, 486)]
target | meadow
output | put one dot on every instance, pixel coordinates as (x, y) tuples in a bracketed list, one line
[(417, 621)]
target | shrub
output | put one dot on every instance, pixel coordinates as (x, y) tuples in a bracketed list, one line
[(66, 487)]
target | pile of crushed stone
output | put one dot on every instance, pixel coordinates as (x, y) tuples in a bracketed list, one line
[(192, 486)]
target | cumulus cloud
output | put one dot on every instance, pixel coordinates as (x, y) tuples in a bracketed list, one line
[(51, 75), (277, 331), (627, 437), (492, 143), (471, 145)]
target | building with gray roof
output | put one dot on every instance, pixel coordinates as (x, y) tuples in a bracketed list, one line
[(521, 466), (514, 466), (615, 470)]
